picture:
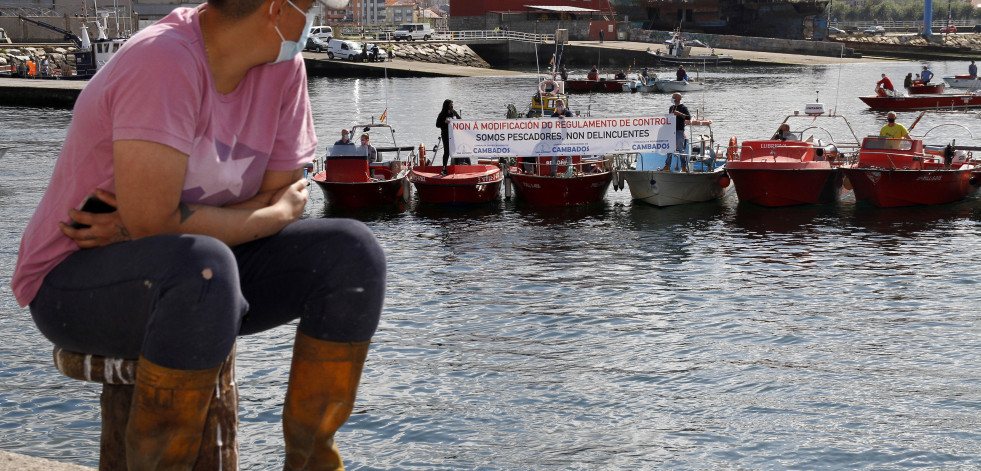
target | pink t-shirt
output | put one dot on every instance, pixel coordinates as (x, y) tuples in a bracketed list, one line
[(158, 88)]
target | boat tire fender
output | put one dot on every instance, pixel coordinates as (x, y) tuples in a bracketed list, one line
[(731, 150)]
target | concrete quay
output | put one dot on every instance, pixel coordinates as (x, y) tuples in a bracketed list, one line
[(16, 462)]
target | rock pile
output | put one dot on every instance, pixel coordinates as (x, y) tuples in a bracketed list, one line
[(971, 41), (439, 53), (59, 59)]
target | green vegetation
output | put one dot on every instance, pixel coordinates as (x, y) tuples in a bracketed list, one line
[(905, 10)]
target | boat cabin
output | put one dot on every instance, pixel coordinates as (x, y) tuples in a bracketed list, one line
[(889, 153)]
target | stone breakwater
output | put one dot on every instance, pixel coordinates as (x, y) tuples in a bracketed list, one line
[(970, 41), (438, 53), (61, 61)]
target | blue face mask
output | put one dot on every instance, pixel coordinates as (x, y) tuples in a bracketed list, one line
[(289, 49)]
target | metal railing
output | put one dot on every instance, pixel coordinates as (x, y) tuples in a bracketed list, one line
[(464, 35)]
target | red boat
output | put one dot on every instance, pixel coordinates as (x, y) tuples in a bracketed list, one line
[(919, 88), (899, 172), (349, 178), (465, 184), (788, 172), (923, 102), (572, 181), (595, 86)]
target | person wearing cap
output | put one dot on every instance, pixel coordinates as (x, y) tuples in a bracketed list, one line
[(926, 75)]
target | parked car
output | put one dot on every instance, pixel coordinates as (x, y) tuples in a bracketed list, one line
[(315, 44), (382, 55), (833, 30), (341, 49), (948, 29), (413, 31), (324, 33), (876, 29), (977, 29)]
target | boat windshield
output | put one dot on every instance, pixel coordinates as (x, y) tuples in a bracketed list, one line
[(887, 143)]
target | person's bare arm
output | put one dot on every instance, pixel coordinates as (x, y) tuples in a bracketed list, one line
[(149, 179)]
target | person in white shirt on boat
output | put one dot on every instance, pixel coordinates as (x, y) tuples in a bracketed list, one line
[(784, 134)]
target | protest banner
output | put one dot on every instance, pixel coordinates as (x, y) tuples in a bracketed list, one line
[(491, 139)]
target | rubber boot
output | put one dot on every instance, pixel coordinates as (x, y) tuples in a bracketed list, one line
[(167, 418), (323, 383)]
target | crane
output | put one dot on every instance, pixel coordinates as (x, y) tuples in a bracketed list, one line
[(69, 36)]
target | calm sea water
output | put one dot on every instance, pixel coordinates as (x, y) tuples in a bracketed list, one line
[(709, 336)]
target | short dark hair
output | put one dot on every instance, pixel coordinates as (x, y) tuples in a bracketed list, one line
[(236, 9)]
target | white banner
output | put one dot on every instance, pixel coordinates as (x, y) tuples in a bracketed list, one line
[(561, 136)]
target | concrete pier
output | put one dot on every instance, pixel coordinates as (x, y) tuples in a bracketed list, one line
[(15, 462)]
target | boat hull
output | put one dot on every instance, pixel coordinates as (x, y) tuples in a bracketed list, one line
[(935, 89), (673, 188), (671, 86), (575, 190), (595, 86), (464, 184), (707, 59), (893, 188), (362, 194), (962, 81), (922, 102), (773, 187)]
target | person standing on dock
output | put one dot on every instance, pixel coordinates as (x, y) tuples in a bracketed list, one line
[(885, 84), (926, 75), (681, 116), (972, 70), (202, 237), (443, 123)]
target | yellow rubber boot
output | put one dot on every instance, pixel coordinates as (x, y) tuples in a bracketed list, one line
[(167, 418), (323, 383)]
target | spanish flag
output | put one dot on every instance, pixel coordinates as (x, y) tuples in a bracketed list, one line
[(384, 115)]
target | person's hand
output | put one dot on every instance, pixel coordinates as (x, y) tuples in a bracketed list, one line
[(292, 199), (104, 228)]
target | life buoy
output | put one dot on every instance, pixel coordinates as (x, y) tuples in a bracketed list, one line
[(731, 150), (544, 89)]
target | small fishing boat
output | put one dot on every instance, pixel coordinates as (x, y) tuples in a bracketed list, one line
[(602, 85), (905, 172), (776, 172), (671, 86), (963, 81), (462, 184), (350, 178), (679, 52), (699, 175), (923, 102), (543, 101), (561, 180), (919, 88)]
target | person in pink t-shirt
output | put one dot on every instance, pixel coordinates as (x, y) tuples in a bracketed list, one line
[(194, 138)]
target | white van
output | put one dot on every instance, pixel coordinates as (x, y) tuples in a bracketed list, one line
[(324, 33), (413, 31), (341, 49)]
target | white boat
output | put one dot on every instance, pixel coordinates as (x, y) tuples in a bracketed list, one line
[(702, 178), (679, 52), (963, 81), (656, 85), (671, 86)]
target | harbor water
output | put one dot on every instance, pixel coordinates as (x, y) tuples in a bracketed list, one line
[(621, 336)]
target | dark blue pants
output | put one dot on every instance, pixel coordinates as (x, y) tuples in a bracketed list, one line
[(181, 300)]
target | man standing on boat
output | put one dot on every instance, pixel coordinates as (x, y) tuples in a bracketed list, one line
[(893, 130), (926, 75), (886, 85), (972, 70), (681, 115)]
